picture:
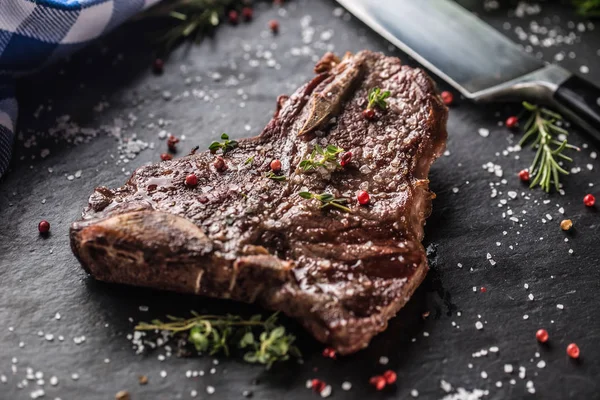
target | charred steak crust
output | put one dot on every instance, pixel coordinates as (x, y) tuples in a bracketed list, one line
[(243, 236)]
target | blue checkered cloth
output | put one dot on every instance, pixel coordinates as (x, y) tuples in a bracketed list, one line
[(34, 33)]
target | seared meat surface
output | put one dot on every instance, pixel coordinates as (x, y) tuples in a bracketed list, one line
[(240, 235)]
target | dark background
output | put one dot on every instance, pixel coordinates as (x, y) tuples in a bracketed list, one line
[(40, 277)]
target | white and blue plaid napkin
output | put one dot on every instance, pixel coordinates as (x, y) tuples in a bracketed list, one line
[(34, 33)]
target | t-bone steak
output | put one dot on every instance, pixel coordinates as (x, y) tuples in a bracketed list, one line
[(240, 234)]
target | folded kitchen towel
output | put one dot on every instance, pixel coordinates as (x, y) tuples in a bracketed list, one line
[(34, 33)]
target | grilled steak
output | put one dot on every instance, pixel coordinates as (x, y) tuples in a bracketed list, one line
[(241, 235)]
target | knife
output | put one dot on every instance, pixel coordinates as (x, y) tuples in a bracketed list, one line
[(478, 61)]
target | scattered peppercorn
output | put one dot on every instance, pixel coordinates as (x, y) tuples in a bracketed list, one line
[(589, 200), (346, 158), (390, 376), (329, 352), (172, 143), (219, 164), (44, 226), (247, 13), (143, 379), (541, 335), (566, 224), (368, 114), (234, 17), (122, 395), (191, 180), (447, 97), (158, 66), (378, 381), (512, 122), (524, 175), (318, 385), (363, 198), (274, 26), (276, 165), (166, 157), (573, 351)]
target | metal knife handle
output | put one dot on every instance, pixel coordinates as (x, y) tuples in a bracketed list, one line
[(581, 99)]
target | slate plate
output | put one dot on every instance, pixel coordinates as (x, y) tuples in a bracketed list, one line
[(40, 277)]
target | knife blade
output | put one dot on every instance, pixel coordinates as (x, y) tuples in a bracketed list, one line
[(474, 58)]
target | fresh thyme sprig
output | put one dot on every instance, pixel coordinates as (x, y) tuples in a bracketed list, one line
[(327, 199), (377, 98), (587, 8), (249, 160), (327, 156), (225, 146), (540, 130), (264, 342), (275, 177)]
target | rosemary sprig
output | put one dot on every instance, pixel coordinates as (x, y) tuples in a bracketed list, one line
[(377, 98), (225, 146), (275, 177), (190, 19), (327, 156), (264, 342), (540, 130), (587, 8), (327, 199)]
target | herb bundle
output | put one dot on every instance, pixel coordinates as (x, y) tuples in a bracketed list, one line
[(262, 341), (540, 130), (320, 157), (225, 146), (327, 200)]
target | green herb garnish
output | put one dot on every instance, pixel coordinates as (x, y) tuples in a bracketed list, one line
[(587, 8), (377, 98), (249, 160), (540, 129), (327, 199), (272, 175), (264, 342), (225, 146), (319, 157)]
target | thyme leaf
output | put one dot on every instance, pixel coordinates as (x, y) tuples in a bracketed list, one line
[(319, 157), (225, 146), (272, 175), (261, 341), (378, 98), (327, 200)]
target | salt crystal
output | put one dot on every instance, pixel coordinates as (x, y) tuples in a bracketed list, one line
[(541, 364), (210, 389), (478, 325), (383, 360), (163, 374), (560, 306), (345, 385), (484, 374), (508, 368), (326, 392), (484, 132), (414, 393)]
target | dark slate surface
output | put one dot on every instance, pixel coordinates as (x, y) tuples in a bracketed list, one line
[(40, 277)]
